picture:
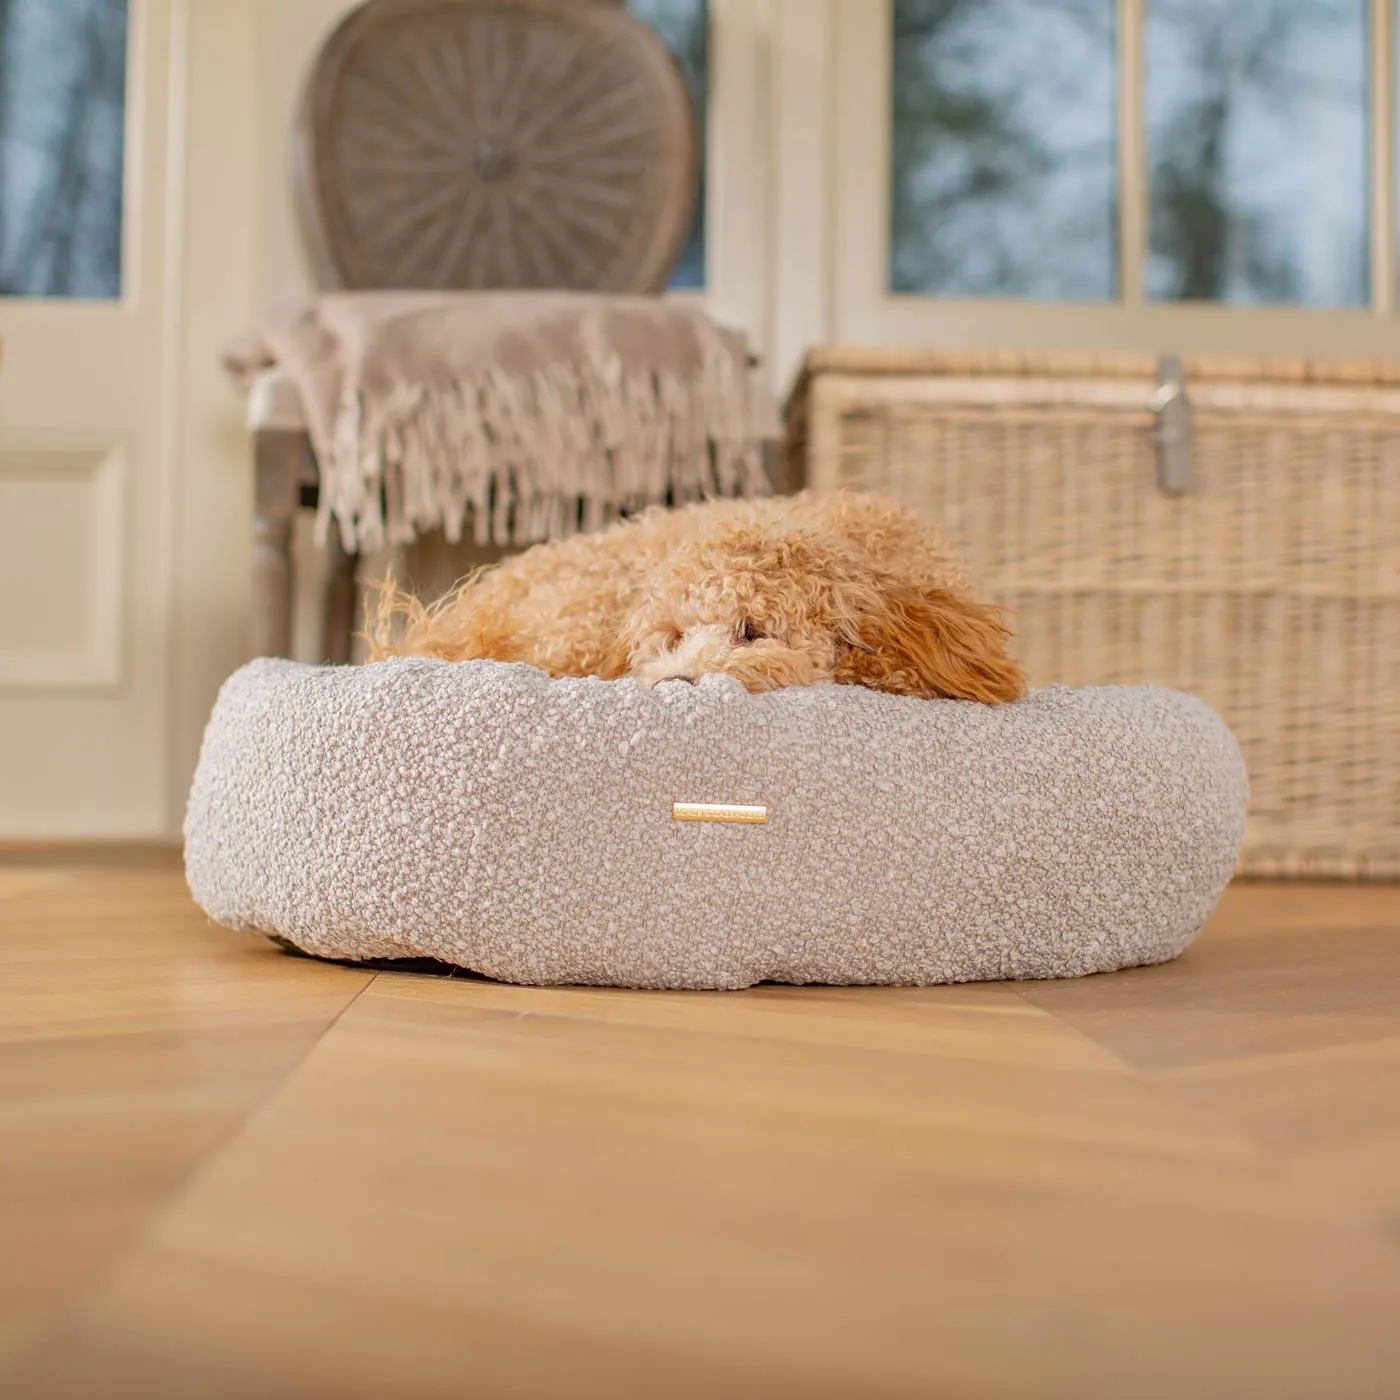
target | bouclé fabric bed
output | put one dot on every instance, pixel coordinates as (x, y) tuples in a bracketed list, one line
[(699, 836)]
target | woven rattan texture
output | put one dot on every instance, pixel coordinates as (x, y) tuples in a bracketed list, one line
[(1271, 589)]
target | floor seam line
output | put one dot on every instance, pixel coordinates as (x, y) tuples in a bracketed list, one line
[(102, 1278), (1267, 1158)]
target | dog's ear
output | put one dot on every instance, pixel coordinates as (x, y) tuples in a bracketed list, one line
[(932, 643)]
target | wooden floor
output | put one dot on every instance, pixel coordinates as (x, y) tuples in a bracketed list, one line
[(226, 1173)]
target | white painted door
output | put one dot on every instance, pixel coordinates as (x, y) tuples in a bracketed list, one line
[(86, 268)]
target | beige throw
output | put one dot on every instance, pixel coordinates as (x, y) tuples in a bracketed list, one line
[(530, 413)]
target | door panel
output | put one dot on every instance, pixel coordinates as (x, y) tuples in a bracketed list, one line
[(86, 271)]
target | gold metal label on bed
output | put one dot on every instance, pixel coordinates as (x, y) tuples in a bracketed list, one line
[(718, 812)]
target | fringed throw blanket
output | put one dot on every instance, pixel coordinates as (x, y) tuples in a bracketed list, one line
[(531, 413)]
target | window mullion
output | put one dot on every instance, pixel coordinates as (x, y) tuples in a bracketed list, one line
[(1132, 154), (1382, 201)]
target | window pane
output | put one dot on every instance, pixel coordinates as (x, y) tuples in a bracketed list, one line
[(1257, 132), (62, 121), (1003, 148), (685, 26)]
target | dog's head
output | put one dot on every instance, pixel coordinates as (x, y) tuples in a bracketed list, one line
[(774, 605)]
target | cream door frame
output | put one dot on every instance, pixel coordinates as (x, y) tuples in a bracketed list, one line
[(801, 140), (218, 206), (127, 397), (863, 312), (105, 408), (738, 171)]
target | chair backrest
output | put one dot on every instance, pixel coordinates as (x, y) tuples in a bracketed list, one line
[(496, 144)]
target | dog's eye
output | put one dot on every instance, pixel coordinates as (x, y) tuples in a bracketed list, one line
[(749, 632)]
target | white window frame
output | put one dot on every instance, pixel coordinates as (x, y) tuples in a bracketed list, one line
[(736, 158), (800, 132), (862, 311)]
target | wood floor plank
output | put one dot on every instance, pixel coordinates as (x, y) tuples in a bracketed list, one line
[(1364, 1172), (1316, 1098), (861, 1018), (575, 1194), (133, 1040), (1284, 1022), (235, 1173), (14, 883), (1326, 974), (1330, 1115)]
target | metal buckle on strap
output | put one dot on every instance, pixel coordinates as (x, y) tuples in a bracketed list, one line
[(1173, 410)]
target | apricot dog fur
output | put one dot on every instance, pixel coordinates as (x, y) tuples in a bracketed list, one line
[(779, 592)]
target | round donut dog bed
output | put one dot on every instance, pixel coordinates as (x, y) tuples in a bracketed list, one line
[(583, 831)]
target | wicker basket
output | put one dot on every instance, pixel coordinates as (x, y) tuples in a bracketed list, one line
[(1233, 530)]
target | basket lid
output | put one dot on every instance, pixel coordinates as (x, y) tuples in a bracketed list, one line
[(1034, 364)]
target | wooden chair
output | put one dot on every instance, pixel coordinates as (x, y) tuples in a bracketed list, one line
[(464, 144)]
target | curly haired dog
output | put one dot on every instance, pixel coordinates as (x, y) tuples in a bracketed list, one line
[(778, 592)]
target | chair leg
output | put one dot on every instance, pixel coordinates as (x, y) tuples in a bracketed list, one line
[(272, 586), (339, 600), (278, 458)]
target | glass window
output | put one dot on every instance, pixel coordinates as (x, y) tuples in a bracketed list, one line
[(1004, 147), (1257, 142), (62, 130), (685, 26)]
